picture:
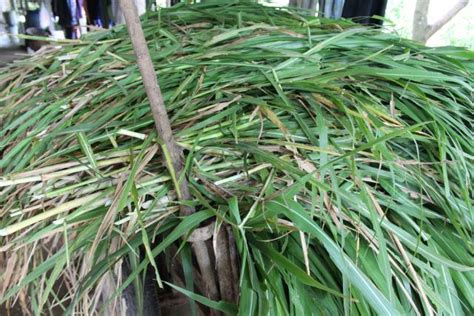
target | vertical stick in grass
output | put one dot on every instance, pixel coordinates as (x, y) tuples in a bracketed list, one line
[(173, 154)]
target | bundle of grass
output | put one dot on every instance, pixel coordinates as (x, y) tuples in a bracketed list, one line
[(339, 157)]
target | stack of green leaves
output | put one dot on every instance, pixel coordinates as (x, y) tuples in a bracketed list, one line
[(341, 156)]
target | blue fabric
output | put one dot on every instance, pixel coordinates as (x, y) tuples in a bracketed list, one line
[(337, 8), (331, 8), (68, 11), (328, 8), (33, 19), (95, 12)]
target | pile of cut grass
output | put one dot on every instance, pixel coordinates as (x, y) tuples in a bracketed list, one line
[(341, 156)]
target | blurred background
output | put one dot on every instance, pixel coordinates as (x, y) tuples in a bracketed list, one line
[(457, 32), (434, 22), (399, 14)]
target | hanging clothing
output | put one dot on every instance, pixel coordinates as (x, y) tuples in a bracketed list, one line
[(363, 10), (331, 8), (46, 21), (337, 8), (304, 4), (68, 11), (95, 12), (72, 32)]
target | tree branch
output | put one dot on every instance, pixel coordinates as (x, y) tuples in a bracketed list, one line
[(153, 91), (420, 20), (163, 128), (435, 27)]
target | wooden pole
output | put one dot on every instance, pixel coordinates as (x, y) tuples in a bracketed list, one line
[(163, 128), (153, 91)]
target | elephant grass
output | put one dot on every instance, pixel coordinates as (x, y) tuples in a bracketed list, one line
[(341, 157)]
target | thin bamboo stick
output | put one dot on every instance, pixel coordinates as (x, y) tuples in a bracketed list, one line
[(163, 128)]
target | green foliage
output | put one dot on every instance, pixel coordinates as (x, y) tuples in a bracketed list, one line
[(341, 156)]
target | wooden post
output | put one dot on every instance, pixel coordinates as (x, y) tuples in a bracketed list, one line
[(163, 128)]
